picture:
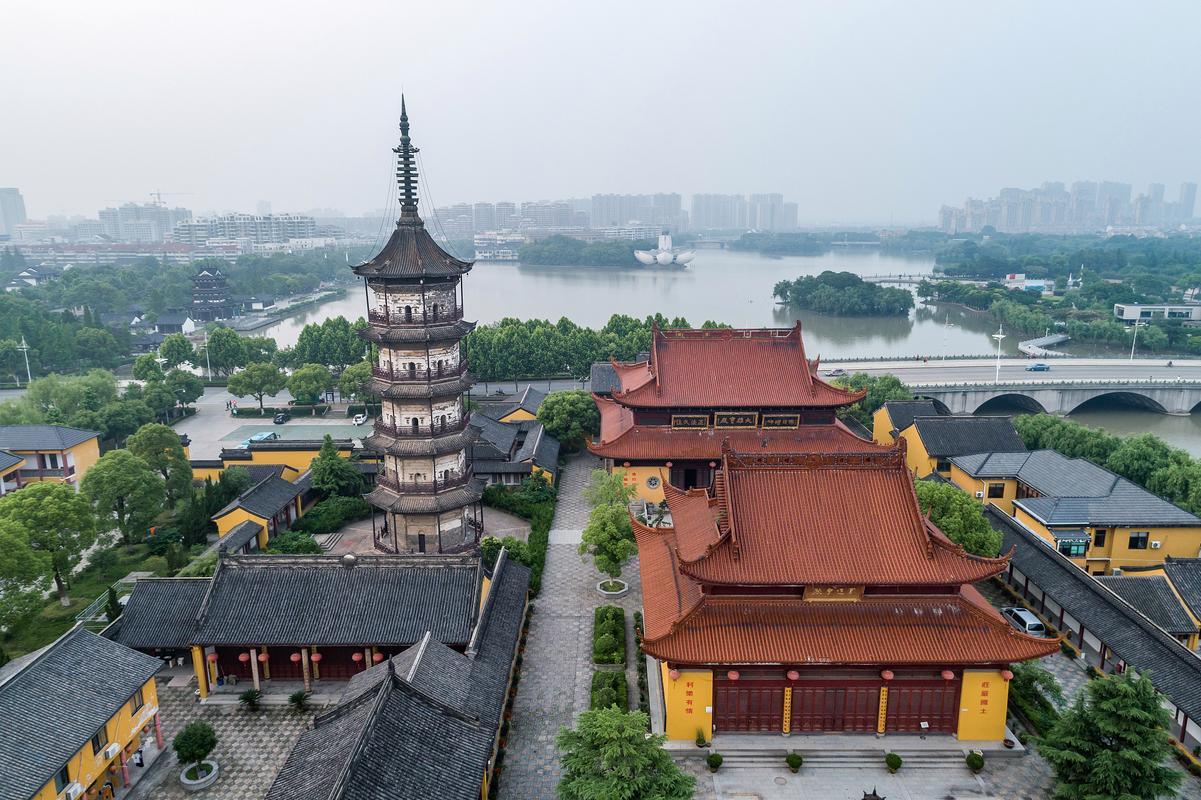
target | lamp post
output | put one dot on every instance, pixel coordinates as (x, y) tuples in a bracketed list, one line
[(999, 335), (24, 348), (1138, 323), (208, 365)]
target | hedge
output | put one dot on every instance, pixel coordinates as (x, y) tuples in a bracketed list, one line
[(644, 696), (331, 514), (371, 410), (609, 635), (609, 689), (538, 506), (271, 411)]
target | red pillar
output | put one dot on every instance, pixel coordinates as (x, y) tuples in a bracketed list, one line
[(158, 731), (124, 770)]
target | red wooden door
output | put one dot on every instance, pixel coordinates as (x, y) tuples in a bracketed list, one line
[(933, 702), (835, 708), (747, 708)]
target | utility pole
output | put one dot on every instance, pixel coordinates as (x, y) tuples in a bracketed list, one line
[(208, 364), (24, 348), (1138, 323), (999, 335)]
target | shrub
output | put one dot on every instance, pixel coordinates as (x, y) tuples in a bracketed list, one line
[(195, 742), (701, 741), (644, 697), (295, 543), (299, 700), (794, 761), (975, 761), (1066, 648), (1094, 673), (892, 761), (604, 650), (330, 514), (714, 761), (609, 635), (608, 689), (535, 501), (251, 699)]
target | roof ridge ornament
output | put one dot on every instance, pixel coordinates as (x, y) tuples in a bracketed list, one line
[(406, 170)]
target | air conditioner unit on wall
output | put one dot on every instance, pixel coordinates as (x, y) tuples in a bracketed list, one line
[(73, 791), (112, 750), (1156, 544), (979, 495)]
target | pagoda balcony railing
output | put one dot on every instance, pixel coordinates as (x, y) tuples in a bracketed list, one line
[(418, 431), (390, 480), (414, 319), (394, 372)]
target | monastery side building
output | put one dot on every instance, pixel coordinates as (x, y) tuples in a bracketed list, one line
[(426, 490)]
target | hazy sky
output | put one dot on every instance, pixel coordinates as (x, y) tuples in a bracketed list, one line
[(860, 112)]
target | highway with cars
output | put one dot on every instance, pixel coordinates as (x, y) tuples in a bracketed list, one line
[(1015, 369)]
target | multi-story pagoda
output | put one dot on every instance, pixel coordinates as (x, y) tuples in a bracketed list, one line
[(210, 295), (426, 490)]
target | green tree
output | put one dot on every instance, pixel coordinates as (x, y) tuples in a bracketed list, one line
[(186, 387), (121, 418), (880, 389), (1153, 338), (295, 543), (160, 448), (609, 755), (1112, 743), (112, 605), (355, 380), (571, 417), (258, 380), (609, 538), (1139, 457), (146, 368), (23, 574), (56, 521), (226, 351), (194, 743), (124, 490), (176, 349), (958, 516), (159, 399), (608, 488), (309, 382), (333, 475), (96, 346)]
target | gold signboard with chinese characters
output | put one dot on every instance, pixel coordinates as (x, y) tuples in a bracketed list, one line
[(690, 421), (781, 420), (735, 419), (833, 594)]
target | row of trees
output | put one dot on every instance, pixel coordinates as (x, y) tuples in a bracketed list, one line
[(58, 341), (565, 251), (843, 294)]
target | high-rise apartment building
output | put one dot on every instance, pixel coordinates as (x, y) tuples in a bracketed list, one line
[(12, 210), (484, 216), (1188, 201), (141, 223), (718, 211), (257, 229)]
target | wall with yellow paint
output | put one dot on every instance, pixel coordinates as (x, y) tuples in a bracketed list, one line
[(537, 470), (972, 485), (1116, 552), (235, 517), (882, 427), (86, 454), (207, 473), (916, 458), (518, 415), (638, 477), (123, 728), (299, 459), (689, 703), (983, 702)]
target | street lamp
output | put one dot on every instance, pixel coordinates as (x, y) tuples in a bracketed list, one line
[(999, 335), (24, 348), (1138, 323), (208, 364)]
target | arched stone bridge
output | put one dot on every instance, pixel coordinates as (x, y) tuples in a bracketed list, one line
[(1167, 396)]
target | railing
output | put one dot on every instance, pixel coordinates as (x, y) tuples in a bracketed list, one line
[(393, 373), (393, 317), (1100, 383), (60, 472), (389, 480), (420, 431)]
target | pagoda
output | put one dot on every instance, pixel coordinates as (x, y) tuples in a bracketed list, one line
[(754, 389), (807, 593), (210, 295), (426, 490)]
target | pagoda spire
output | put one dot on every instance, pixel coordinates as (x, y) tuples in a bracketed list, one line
[(406, 170)]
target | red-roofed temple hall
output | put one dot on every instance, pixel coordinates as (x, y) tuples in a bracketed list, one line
[(797, 587)]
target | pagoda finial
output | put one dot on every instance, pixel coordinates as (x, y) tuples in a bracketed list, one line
[(406, 169)]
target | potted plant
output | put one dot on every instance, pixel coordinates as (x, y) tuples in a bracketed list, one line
[(975, 761), (714, 761), (892, 761), (299, 700), (794, 761), (250, 699), (193, 745), (701, 741)]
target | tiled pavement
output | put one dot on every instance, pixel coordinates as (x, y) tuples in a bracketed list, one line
[(250, 748), (557, 668)]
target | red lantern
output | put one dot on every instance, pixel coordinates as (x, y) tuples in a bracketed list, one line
[(793, 675), (377, 657), (1006, 674), (674, 674), (668, 465), (263, 658), (886, 674), (356, 656), (295, 657), (947, 675), (733, 675), (243, 657), (212, 658), (315, 657), (712, 464)]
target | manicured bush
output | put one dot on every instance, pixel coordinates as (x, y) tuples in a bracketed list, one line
[(535, 501), (608, 689), (609, 635), (195, 742), (892, 761), (975, 761), (299, 700), (331, 514), (701, 741), (794, 761), (714, 761), (251, 699), (644, 696)]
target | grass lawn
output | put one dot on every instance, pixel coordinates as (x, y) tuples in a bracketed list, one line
[(54, 619)]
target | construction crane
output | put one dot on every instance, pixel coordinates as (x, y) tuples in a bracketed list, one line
[(158, 196)]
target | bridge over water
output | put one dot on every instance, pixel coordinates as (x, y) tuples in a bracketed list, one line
[(1176, 395)]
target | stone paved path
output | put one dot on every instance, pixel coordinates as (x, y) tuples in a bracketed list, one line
[(557, 669)]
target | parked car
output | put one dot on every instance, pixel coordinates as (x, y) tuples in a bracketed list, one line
[(282, 417), (1024, 620), (359, 419), (837, 372), (265, 436), (1039, 367)]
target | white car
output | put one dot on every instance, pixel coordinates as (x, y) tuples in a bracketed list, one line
[(359, 419)]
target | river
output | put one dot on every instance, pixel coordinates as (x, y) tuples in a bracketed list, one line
[(736, 288)]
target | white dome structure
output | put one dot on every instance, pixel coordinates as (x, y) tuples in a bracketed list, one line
[(664, 255)]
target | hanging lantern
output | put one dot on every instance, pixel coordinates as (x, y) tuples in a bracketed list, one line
[(212, 658), (1006, 674), (947, 675), (295, 657), (356, 656), (263, 658), (668, 465), (793, 675), (315, 657), (243, 657), (377, 657), (712, 464), (733, 675), (674, 674), (886, 674)]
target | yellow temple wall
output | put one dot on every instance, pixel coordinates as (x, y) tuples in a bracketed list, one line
[(688, 701), (983, 701)]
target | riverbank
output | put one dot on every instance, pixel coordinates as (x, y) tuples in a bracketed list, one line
[(268, 317)]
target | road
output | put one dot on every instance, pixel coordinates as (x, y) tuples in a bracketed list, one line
[(985, 370)]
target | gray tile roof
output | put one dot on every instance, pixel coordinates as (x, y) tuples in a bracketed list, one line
[(1154, 598), (315, 600), (1126, 505), (1185, 574), (602, 378), (53, 706), (8, 460), (1048, 472), (172, 318), (530, 400), (240, 536), (491, 466), (160, 614), (496, 438), (953, 435), (902, 412), (1173, 670), (538, 446), (266, 498), (42, 437)]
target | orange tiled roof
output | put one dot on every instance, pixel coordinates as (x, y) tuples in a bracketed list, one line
[(820, 518), (726, 368)]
